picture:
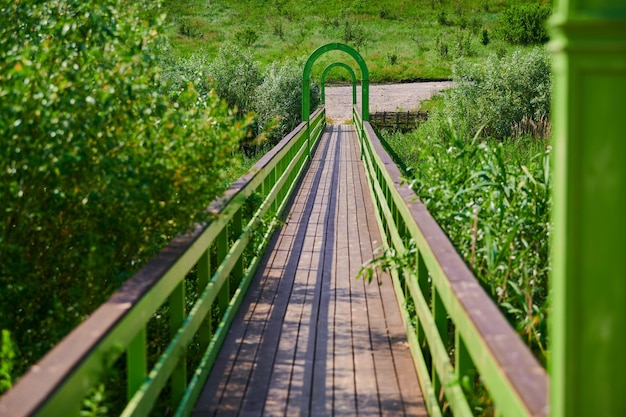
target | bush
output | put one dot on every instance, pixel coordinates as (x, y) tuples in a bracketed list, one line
[(187, 28), (176, 73), (99, 167), (278, 101), (493, 201), (246, 37), (485, 37), (235, 76), (498, 94), (524, 24)]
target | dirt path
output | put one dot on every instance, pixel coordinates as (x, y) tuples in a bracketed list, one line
[(383, 97)]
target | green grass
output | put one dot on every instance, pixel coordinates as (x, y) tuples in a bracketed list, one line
[(399, 40), (492, 199)]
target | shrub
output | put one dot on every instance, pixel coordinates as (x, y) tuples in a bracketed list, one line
[(441, 46), (187, 28), (524, 24), (278, 99), (278, 30), (498, 94), (442, 18), (235, 76), (493, 201), (246, 37), (355, 34), (463, 44), (385, 13), (392, 58), (99, 167), (176, 73), (485, 37)]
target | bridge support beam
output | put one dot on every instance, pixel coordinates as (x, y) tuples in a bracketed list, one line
[(588, 319)]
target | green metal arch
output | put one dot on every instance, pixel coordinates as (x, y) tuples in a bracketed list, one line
[(306, 77), (327, 70)]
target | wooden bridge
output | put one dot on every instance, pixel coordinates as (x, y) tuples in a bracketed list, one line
[(266, 316), (266, 323), (309, 339)]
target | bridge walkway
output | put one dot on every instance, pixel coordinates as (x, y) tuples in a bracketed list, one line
[(309, 338)]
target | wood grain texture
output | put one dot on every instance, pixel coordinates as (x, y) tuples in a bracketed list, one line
[(309, 338)]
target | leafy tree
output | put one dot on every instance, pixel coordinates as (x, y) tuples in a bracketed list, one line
[(525, 24), (278, 99), (498, 94), (98, 166), (235, 76)]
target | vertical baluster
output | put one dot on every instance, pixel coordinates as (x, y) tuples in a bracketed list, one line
[(422, 280), (464, 367), (222, 250), (204, 275), (178, 380), (237, 272), (136, 363), (441, 321), (272, 182)]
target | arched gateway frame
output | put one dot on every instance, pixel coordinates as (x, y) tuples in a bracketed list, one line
[(306, 78), (352, 75)]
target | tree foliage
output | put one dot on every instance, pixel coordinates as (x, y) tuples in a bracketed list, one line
[(278, 99), (498, 94), (99, 167), (524, 24)]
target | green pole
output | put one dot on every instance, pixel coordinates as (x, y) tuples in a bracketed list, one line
[(588, 318)]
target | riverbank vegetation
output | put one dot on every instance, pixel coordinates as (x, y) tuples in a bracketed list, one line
[(481, 165)]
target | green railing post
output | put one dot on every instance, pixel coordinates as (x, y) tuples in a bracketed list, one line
[(422, 280), (178, 380), (204, 275), (588, 318), (237, 227), (136, 363), (308, 141), (222, 251), (440, 316)]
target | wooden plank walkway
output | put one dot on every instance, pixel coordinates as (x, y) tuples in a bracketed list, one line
[(310, 339)]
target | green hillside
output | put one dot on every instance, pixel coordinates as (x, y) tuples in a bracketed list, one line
[(400, 40)]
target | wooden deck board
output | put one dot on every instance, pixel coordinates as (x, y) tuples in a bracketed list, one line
[(309, 338)]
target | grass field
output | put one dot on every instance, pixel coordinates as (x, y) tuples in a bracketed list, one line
[(400, 40)]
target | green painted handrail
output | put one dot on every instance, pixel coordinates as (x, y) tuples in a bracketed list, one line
[(224, 255), (352, 75), (457, 335)]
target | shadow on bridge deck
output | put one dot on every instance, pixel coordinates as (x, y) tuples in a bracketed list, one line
[(309, 338)]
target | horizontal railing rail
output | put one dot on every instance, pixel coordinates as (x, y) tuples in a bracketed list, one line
[(465, 352), (218, 259)]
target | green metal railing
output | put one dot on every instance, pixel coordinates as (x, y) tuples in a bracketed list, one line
[(223, 254), (463, 348)]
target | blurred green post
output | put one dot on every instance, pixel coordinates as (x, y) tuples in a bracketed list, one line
[(588, 318)]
